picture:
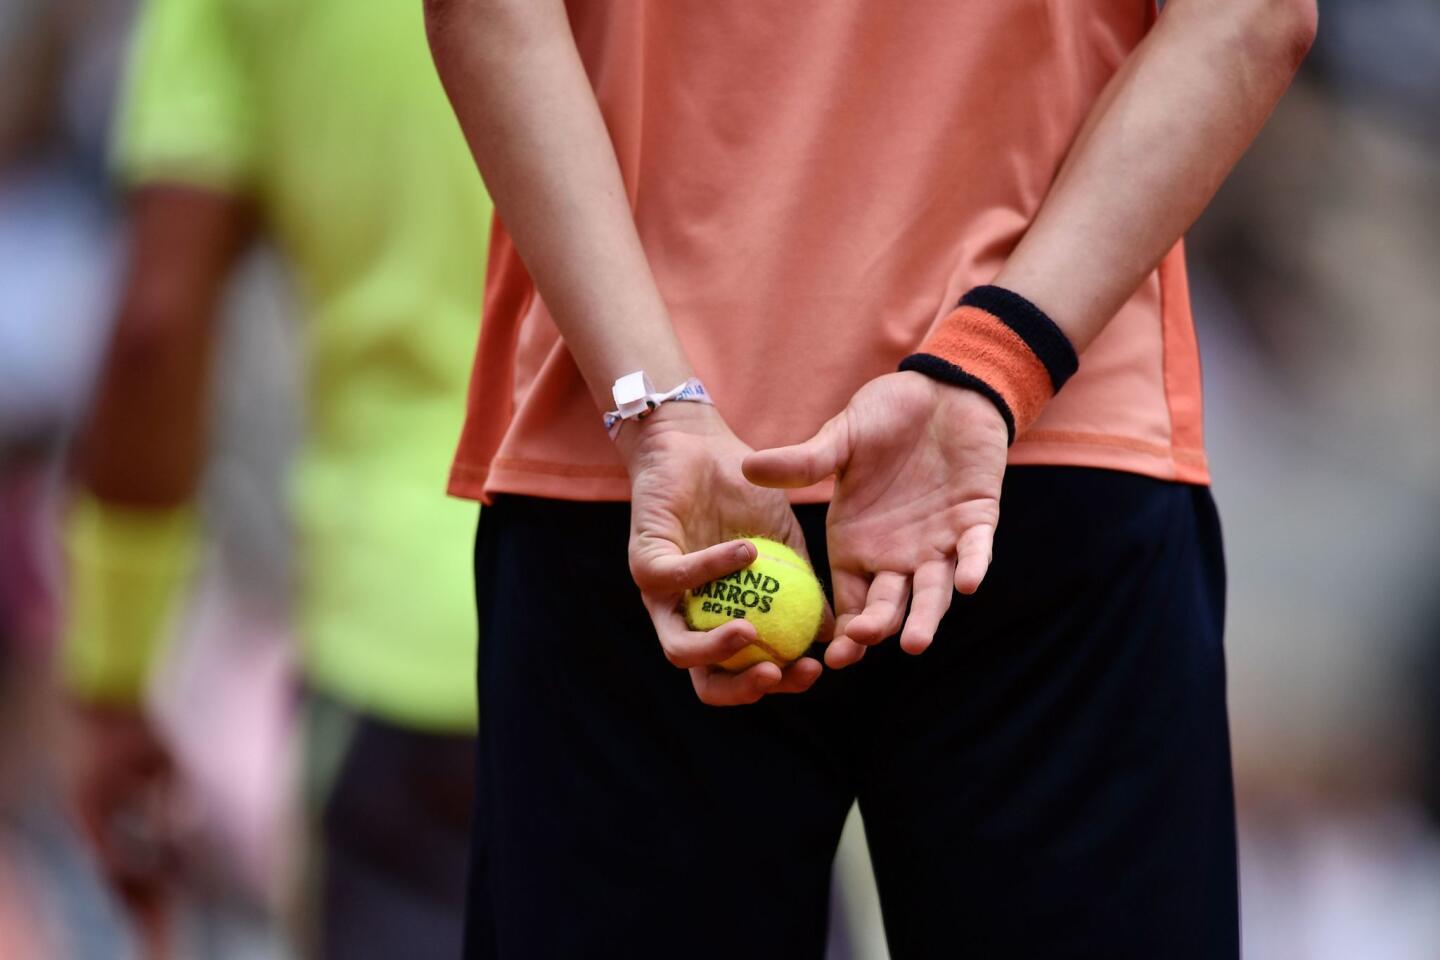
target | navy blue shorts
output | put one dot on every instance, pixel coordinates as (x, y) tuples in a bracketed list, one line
[(388, 811), (1051, 779)]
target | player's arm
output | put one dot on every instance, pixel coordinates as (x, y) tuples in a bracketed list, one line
[(1167, 131), (130, 530), (144, 442), (516, 81), (515, 78), (140, 453), (920, 455)]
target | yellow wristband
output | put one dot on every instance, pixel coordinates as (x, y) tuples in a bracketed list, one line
[(126, 569)]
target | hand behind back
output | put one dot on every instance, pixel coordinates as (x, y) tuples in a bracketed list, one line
[(919, 466), (689, 501)]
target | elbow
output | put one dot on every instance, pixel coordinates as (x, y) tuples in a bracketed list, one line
[(440, 17), (1274, 35), (439, 14), (1289, 28), (444, 20), (484, 30), (447, 21)]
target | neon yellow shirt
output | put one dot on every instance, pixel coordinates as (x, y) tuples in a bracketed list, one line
[(330, 115)]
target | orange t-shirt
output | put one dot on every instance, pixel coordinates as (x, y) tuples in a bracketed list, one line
[(816, 184)]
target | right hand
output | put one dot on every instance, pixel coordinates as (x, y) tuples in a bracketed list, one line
[(688, 503), (122, 785)]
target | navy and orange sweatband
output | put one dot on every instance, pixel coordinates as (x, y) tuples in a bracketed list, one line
[(1002, 346)]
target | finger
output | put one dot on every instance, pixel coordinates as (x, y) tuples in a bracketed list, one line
[(140, 858), (686, 648), (850, 591), (974, 549), (827, 625), (721, 688), (884, 609), (933, 589), (801, 464), (799, 676), (842, 652), (658, 566), (156, 921)]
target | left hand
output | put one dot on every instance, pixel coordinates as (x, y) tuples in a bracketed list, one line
[(123, 784), (688, 503), (919, 464)]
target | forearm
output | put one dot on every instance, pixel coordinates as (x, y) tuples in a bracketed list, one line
[(1168, 129), (130, 536), (144, 442), (519, 89)]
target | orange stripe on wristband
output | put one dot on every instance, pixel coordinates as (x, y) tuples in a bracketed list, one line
[(984, 346)]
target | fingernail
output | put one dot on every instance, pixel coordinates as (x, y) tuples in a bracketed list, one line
[(742, 551)]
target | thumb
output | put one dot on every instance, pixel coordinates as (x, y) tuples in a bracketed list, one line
[(802, 464)]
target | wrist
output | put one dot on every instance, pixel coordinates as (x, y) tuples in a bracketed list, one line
[(636, 398), (954, 403), (1004, 348), (637, 438), (127, 569)]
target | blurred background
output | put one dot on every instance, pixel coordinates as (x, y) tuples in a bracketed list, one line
[(1316, 277)]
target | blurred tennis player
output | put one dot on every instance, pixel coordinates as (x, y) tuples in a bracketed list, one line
[(321, 126)]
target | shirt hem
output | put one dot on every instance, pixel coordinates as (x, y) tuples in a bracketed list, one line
[(559, 481), (421, 710), (1058, 448), (1067, 448)]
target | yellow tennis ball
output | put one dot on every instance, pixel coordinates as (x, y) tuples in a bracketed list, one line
[(778, 593)]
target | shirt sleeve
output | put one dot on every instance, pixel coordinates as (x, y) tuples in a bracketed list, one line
[(187, 114)]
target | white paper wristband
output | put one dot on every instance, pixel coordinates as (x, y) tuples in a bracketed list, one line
[(636, 398)]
